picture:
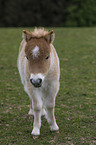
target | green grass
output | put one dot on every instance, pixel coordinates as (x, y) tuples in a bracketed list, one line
[(75, 109)]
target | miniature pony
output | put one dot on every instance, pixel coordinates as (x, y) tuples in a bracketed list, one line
[(38, 65)]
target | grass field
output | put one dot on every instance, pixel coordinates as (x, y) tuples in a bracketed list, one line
[(75, 109)]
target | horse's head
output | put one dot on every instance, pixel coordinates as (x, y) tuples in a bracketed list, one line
[(37, 53)]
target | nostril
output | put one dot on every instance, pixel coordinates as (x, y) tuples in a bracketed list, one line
[(39, 81), (32, 81)]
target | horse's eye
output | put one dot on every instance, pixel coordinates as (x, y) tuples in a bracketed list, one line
[(47, 57), (26, 57)]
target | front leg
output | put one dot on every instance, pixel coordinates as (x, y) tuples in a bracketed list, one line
[(37, 122), (31, 111), (37, 107), (50, 105), (50, 114), (51, 119)]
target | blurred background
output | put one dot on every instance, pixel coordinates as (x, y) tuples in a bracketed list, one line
[(55, 13)]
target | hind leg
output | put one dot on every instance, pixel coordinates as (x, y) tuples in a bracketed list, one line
[(31, 112), (43, 112)]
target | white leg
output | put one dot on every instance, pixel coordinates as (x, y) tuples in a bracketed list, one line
[(50, 104), (43, 112), (37, 106), (51, 119), (37, 122), (31, 112)]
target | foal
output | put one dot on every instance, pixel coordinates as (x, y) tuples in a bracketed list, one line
[(38, 65)]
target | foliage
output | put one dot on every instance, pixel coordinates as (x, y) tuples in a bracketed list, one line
[(81, 13), (75, 103), (47, 13)]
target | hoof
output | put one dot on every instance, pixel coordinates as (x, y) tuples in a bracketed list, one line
[(35, 137), (54, 127), (35, 131), (55, 131)]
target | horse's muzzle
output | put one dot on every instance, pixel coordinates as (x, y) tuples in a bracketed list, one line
[(36, 83)]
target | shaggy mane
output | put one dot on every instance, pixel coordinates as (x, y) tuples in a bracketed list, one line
[(39, 32)]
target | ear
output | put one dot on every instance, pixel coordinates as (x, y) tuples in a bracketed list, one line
[(26, 35), (50, 37)]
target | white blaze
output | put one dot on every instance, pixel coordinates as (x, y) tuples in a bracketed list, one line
[(35, 51)]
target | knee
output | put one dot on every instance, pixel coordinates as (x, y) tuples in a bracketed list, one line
[(37, 106), (50, 105)]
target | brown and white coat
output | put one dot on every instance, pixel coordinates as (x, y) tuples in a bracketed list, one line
[(38, 65)]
